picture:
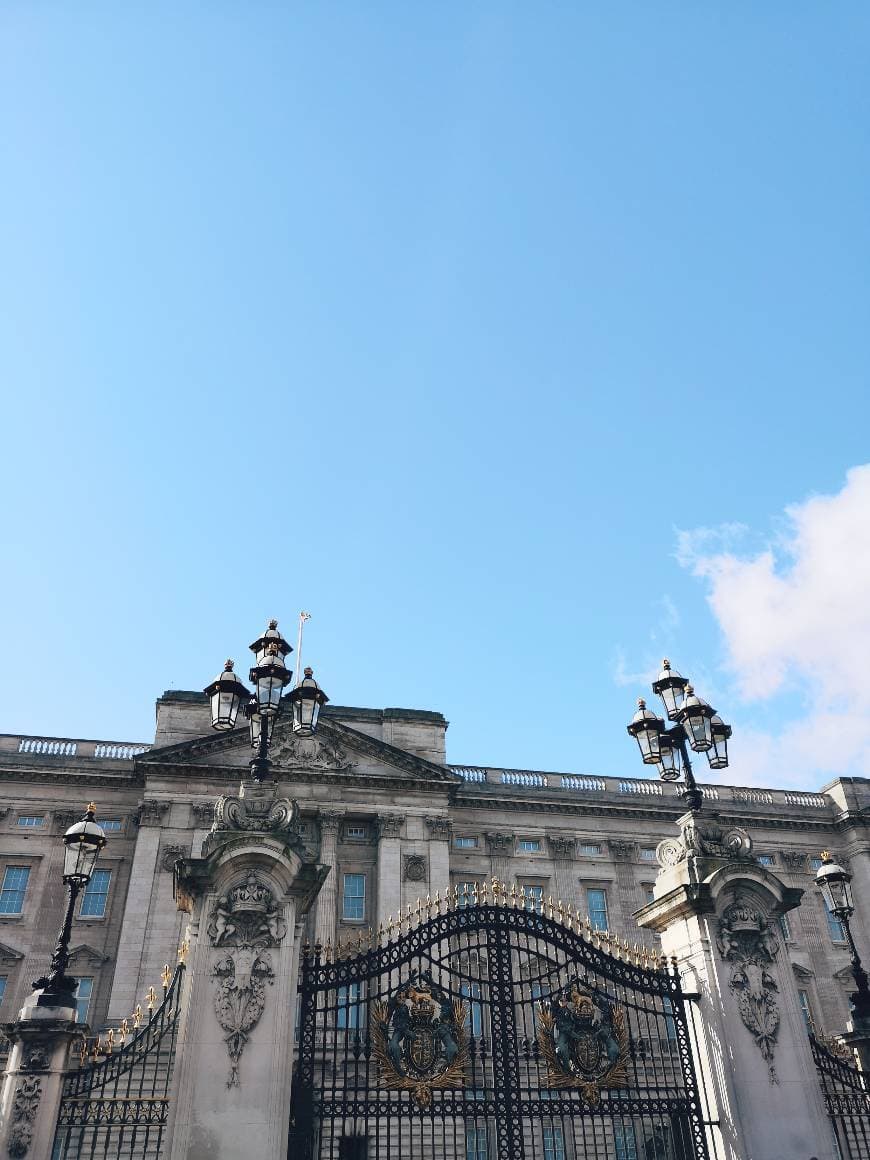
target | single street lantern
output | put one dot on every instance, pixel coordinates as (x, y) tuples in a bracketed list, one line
[(270, 677), (670, 686), (82, 843), (227, 694), (695, 716), (836, 887), (647, 729), (696, 726), (307, 698)]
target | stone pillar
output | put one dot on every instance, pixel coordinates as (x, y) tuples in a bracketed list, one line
[(440, 831), (33, 1081), (501, 852), (324, 918), (389, 827), (128, 983), (231, 1086), (715, 910), (563, 847)]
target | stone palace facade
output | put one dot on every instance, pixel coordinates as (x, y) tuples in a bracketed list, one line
[(381, 806)]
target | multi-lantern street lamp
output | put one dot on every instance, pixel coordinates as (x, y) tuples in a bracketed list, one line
[(697, 725), (82, 844), (270, 676), (836, 887)]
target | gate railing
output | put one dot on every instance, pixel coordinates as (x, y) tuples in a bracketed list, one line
[(116, 1102), (847, 1099), (537, 1036)]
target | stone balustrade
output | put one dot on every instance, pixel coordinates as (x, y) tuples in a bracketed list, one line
[(69, 747)]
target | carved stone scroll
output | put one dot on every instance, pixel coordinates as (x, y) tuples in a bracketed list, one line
[(25, 1105)]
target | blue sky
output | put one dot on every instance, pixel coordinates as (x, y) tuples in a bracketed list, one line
[(451, 324)]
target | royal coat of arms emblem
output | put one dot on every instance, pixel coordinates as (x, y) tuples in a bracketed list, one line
[(419, 1039), (583, 1041)]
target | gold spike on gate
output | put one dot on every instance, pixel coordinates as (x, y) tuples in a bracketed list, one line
[(166, 977), (484, 896), (182, 951), (437, 902), (549, 906), (475, 894), (152, 999)]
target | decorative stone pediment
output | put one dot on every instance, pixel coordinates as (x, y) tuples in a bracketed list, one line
[(85, 953), (320, 752), (9, 954), (802, 974)]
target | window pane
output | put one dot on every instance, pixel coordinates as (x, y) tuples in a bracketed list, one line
[(465, 843), (533, 898), (624, 1140), (110, 824), (349, 1014), (648, 854), (475, 1143), (554, 1142), (3, 980), (354, 897), (466, 894), (96, 895), (474, 1015), (529, 845), (84, 991), (784, 927), (31, 820), (12, 892), (806, 1010), (597, 903), (592, 849), (835, 927)]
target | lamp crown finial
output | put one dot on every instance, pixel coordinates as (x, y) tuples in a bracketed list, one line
[(689, 690), (309, 672), (228, 665), (92, 808), (826, 855), (666, 664), (641, 703), (273, 623)]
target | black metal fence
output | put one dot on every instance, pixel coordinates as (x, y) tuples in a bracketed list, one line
[(847, 1099), (494, 1032), (116, 1103)]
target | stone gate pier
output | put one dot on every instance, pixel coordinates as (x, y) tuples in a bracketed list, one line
[(716, 910)]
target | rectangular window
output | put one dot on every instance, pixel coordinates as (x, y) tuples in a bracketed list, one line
[(624, 1141), (815, 863), (529, 845), (533, 898), (465, 842), (3, 980), (806, 1010), (349, 1008), (765, 860), (785, 927), (554, 1142), (32, 821), (835, 927), (590, 849), (474, 1016), (670, 1024), (596, 900), (353, 898), (13, 889), (466, 893), (648, 854), (475, 1143), (110, 825), (356, 831), (649, 894), (96, 895), (84, 991)]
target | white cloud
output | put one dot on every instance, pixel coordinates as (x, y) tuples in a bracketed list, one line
[(795, 616)]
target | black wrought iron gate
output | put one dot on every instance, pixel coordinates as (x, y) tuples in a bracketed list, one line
[(493, 1032)]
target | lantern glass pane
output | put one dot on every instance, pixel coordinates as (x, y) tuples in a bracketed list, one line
[(672, 698), (648, 740), (717, 757), (269, 689), (700, 733), (79, 859)]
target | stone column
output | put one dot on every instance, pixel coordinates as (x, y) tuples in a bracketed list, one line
[(715, 910), (33, 1080), (389, 827), (563, 847), (324, 918), (440, 830), (501, 851), (128, 983), (231, 1084)]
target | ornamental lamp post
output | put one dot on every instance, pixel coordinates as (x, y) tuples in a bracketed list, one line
[(836, 886), (82, 843), (269, 676), (697, 726)]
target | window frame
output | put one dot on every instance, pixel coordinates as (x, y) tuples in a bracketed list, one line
[(86, 999), (530, 845), (602, 890), (465, 899), (31, 821), (555, 1148), (9, 890), (88, 893), (345, 875), (590, 849), (465, 842), (363, 826)]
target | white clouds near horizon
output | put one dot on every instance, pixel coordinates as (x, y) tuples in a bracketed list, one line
[(795, 616)]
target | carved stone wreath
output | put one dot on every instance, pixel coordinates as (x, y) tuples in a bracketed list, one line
[(414, 869), (584, 1042), (320, 752), (419, 1039)]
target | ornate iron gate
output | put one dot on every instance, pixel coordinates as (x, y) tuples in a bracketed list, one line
[(847, 1099), (116, 1103), (494, 1032)]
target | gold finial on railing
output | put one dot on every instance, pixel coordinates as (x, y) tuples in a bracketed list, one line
[(137, 1016), (152, 1000), (484, 893), (663, 962), (561, 910), (408, 917), (83, 1051), (95, 1049), (428, 905), (327, 950), (569, 916), (183, 950), (125, 1030), (514, 896), (549, 906), (380, 933), (110, 1041), (496, 891), (475, 894), (417, 910), (166, 977), (437, 902)]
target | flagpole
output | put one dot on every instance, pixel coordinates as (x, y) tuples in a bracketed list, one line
[(303, 616)]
